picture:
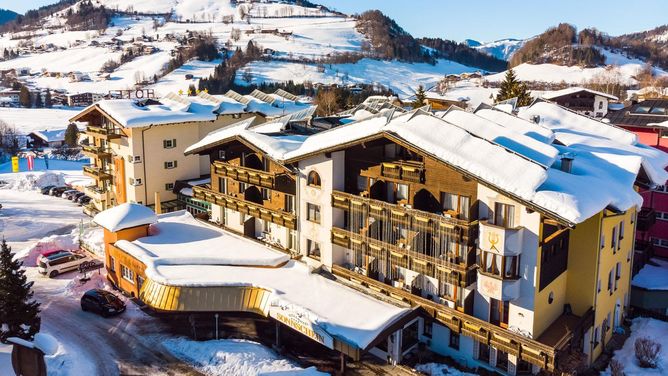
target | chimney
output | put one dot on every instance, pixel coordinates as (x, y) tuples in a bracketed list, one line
[(535, 119), (567, 162), (158, 207)]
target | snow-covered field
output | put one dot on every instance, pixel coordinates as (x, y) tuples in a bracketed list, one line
[(28, 120), (176, 80), (403, 78), (643, 327)]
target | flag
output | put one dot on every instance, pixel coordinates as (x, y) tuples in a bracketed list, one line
[(31, 162)]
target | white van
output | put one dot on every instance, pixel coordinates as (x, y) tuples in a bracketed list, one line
[(60, 262)]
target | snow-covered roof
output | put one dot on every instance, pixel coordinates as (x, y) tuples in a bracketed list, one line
[(51, 135), (497, 148), (663, 124), (652, 277), (576, 89), (182, 251), (125, 216)]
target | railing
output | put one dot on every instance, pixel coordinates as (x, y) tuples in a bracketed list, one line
[(414, 218), (102, 132), (96, 192), (646, 219), (97, 151), (412, 171), (245, 174), (255, 210), (97, 172), (486, 333), (456, 273)]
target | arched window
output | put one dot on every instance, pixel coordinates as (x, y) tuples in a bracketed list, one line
[(313, 179)]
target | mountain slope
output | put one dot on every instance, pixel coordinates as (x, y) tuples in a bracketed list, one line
[(7, 15), (501, 49)]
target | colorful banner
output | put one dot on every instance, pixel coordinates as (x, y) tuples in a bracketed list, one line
[(15, 164), (31, 163)]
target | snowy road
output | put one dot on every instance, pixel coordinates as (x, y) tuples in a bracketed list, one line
[(122, 345)]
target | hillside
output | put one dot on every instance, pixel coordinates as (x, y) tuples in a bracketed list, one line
[(7, 15), (502, 49)]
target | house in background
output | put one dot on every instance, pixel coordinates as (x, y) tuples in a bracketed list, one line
[(83, 99), (649, 121), (582, 100), (46, 139), (441, 102)]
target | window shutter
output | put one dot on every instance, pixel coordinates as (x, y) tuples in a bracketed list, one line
[(174, 143), (174, 164), (164, 144), (166, 165)]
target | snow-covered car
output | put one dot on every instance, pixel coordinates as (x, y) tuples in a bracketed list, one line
[(60, 262), (102, 302), (69, 193)]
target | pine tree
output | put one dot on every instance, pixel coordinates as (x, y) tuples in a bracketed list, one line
[(38, 100), (48, 102), (19, 313), (513, 88), (71, 135), (420, 97), (24, 97)]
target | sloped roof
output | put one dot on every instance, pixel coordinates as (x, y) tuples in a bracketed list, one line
[(572, 90), (125, 216)]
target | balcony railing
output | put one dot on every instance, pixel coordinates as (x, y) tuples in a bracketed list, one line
[(242, 206), (411, 171), (96, 151), (482, 331), (646, 219), (456, 273), (96, 193), (102, 132), (245, 174), (412, 218), (97, 172)]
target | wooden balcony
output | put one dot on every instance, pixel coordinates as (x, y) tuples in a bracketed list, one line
[(411, 171), (246, 174), (646, 219), (524, 348), (97, 172), (255, 210), (457, 274), (416, 220), (96, 193), (103, 133), (96, 151)]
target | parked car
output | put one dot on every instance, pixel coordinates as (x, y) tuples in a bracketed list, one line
[(47, 189), (84, 201), (102, 302), (60, 262), (81, 197), (69, 193), (75, 196), (57, 191)]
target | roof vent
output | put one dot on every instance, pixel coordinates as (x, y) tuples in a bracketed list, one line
[(535, 119), (567, 162)]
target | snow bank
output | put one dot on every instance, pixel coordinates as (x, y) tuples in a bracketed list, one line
[(34, 181), (49, 243), (233, 357), (439, 369), (643, 327), (42, 341)]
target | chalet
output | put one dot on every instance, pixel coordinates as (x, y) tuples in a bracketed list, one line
[(581, 100), (46, 139), (441, 102), (83, 99)]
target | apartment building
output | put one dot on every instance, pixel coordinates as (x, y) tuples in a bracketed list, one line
[(512, 233), (582, 100), (136, 145)]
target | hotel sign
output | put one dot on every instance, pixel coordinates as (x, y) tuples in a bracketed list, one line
[(294, 320)]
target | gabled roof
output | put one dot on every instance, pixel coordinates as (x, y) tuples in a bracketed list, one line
[(647, 113), (572, 90)]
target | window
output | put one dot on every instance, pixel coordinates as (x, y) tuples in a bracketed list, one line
[(169, 186), (498, 265), (313, 212), (402, 192), (127, 274), (140, 282), (456, 203), (621, 233), (610, 283), (428, 328), (618, 274), (613, 241), (222, 185), (170, 164), (242, 187), (289, 203), (602, 240), (313, 179), (266, 194), (504, 215), (169, 144), (135, 181), (312, 249), (135, 159), (112, 264), (600, 105), (454, 340), (361, 183), (292, 239), (595, 341), (221, 155)]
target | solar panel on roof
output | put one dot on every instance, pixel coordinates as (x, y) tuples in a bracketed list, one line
[(263, 97), (177, 98), (237, 97), (286, 95), (209, 97)]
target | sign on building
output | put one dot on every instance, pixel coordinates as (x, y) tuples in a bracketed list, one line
[(295, 319)]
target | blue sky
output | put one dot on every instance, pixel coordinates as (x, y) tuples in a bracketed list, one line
[(487, 20)]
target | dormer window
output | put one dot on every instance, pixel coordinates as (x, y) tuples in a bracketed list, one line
[(313, 179)]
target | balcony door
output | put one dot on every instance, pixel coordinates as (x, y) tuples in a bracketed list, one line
[(498, 314)]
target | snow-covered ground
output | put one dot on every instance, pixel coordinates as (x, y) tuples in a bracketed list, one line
[(401, 77), (27, 120), (176, 80), (643, 327), (439, 369), (652, 277)]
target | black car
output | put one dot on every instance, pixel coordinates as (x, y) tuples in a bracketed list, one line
[(57, 191), (102, 302), (79, 198), (75, 196), (47, 189), (84, 200)]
